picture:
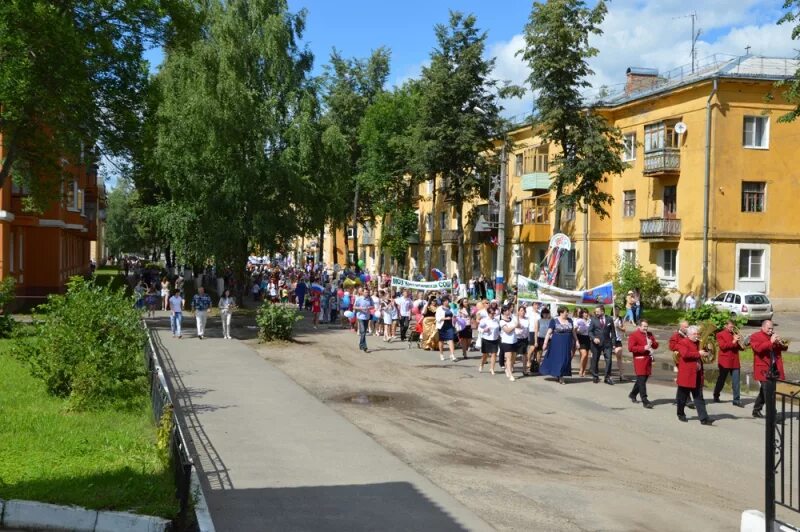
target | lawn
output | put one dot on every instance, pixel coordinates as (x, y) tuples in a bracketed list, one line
[(109, 276), (655, 316), (100, 460)]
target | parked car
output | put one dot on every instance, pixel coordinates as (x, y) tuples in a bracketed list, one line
[(754, 306)]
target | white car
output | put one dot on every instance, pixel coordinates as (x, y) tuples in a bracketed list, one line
[(754, 306)]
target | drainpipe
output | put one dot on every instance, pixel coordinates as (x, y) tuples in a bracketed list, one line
[(586, 249), (707, 190)]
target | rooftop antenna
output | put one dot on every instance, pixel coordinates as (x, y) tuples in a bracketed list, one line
[(747, 49), (695, 36)]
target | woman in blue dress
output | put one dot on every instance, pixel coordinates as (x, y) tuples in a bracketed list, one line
[(447, 332), (559, 344)]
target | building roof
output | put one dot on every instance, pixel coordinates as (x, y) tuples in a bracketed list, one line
[(715, 66)]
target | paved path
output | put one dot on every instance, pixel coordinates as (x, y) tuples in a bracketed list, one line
[(273, 457)]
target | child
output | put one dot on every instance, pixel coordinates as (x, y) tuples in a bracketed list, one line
[(333, 302)]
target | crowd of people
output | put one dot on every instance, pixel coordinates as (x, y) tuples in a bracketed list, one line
[(461, 320)]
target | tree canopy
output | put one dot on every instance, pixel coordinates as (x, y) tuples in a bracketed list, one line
[(557, 50)]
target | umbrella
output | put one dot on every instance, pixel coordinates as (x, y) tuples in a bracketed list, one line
[(316, 287)]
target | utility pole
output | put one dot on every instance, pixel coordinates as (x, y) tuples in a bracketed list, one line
[(499, 281)]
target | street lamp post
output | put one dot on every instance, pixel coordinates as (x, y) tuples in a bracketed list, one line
[(499, 280)]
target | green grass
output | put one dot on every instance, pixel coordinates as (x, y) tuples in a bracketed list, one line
[(656, 316), (109, 276), (101, 460)]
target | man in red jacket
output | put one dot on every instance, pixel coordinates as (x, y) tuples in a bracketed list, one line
[(728, 361), (765, 343), (690, 375), (641, 344)]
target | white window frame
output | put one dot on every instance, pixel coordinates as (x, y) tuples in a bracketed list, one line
[(765, 136), (429, 222), (349, 232), (625, 204), (629, 152), (517, 213), (751, 252), (667, 279), (765, 267), (629, 245)]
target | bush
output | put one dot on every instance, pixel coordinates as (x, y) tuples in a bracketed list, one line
[(8, 289), (630, 276), (88, 347), (711, 313), (276, 322)]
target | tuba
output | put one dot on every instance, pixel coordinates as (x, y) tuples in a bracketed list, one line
[(744, 342), (708, 342)]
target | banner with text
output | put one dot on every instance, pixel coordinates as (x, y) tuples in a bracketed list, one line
[(444, 284), (529, 290)]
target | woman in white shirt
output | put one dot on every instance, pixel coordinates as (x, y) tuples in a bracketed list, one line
[(508, 340), (446, 328), (489, 327), (226, 306), (522, 332)]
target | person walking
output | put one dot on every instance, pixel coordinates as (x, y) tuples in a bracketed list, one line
[(404, 308), (602, 334), (690, 376), (729, 343), (582, 323), (560, 344), (447, 332), (767, 348), (201, 302), (300, 293), (464, 326), (361, 308), (489, 329), (176, 313), (227, 304), (641, 344), (164, 293)]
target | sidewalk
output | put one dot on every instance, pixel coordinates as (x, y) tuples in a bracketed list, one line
[(273, 457)]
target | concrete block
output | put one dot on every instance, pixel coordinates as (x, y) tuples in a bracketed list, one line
[(753, 521), (125, 522), (42, 516)]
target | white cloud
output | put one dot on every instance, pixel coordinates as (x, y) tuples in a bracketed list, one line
[(658, 35)]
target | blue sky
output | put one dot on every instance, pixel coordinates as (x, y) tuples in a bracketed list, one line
[(647, 33)]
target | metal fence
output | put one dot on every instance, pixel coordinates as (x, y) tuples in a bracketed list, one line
[(782, 471), (180, 459)]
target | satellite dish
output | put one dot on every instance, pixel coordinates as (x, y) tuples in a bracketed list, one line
[(680, 128)]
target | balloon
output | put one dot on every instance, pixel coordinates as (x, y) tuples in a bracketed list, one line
[(361, 263), (348, 314), (352, 320), (363, 277), (368, 278), (340, 292), (357, 282), (348, 283)]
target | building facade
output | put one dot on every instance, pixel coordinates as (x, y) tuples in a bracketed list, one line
[(42, 250)]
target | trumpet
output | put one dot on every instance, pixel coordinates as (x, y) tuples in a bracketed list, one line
[(744, 342)]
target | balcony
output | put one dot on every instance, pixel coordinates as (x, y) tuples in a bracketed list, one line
[(449, 235), (660, 228), (535, 220), (664, 161), (536, 181), (366, 239), (413, 238)]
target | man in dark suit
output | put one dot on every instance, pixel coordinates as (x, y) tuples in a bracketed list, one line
[(602, 335)]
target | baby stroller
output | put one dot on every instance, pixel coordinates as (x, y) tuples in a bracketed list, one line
[(415, 334)]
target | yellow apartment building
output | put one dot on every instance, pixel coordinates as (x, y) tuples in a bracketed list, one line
[(713, 130)]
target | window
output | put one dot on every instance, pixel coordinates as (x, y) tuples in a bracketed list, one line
[(670, 201), (756, 299), (572, 262), (349, 232), (569, 213), (659, 136), (629, 256), (442, 221), (753, 194), (429, 222), (669, 262), (518, 213), (443, 259), (629, 204), (751, 263), (535, 160), (72, 195), (518, 164), (729, 297), (755, 133), (629, 153), (430, 186), (476, 262), (721, 297)]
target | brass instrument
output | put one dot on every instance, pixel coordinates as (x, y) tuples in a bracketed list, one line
[(708, 342), (744, 343)]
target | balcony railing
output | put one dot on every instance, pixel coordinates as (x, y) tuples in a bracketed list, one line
[(449, 235), (660, 228), (366, 239), (664, 161), (536, 211), (413, 238)]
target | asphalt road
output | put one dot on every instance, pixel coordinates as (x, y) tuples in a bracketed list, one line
[(531, 454)]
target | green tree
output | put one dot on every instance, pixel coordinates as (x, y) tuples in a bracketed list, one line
[(235, 132), (459, 115), (72, 75), (122, 232), (631, 276), (390, 165), (350, 87), (792, 85), (557, 49)]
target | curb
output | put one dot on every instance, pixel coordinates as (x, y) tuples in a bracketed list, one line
[(39, 515)]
